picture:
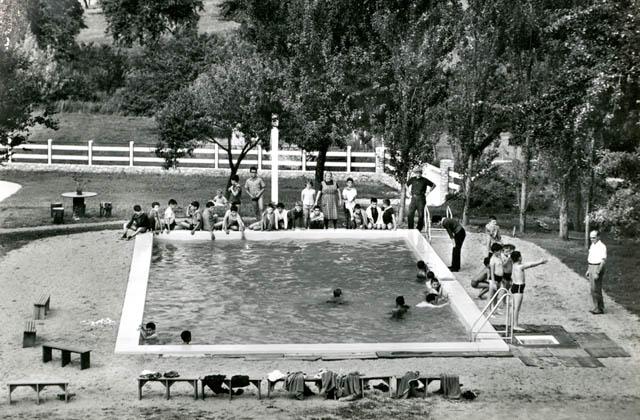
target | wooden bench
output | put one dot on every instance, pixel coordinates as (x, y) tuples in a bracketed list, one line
[(57, 213), (54, 206), (39, 386), (29, 336), (255, 382), (85, 354), (41, 306), (105, 209), (364, 380), (167, 382), (271, 385)]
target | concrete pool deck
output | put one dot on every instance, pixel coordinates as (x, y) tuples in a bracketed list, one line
[(465, 309)]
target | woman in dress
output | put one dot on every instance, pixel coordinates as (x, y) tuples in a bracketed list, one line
[(329, 196)]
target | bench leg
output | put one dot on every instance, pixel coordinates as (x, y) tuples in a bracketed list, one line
[(66, 393), (38, 394), (66, 357), (167, 386), (46, 354), (85, 361), (28, 339), (38, 312), (11, 388)]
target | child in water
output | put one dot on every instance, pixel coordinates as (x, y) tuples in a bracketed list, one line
[(401, 308)]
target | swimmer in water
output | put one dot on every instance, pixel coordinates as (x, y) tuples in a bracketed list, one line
[(337, 297), (401, 308)]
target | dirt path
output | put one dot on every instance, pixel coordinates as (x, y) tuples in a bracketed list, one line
[(86, 275)]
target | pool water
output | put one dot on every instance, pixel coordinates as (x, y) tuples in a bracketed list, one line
[(275, 292)]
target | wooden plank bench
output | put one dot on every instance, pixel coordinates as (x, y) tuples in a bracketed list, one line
[(29, 335), (364, 380), (39, 386), (255, 382), (271, 385), (167, 382), (85, 354), (41, 306), (57, 213)]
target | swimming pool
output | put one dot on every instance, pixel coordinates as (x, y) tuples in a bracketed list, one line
[(255, 292), (238, 299)]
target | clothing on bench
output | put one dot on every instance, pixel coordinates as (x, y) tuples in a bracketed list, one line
[(167, 383), (85, 354)]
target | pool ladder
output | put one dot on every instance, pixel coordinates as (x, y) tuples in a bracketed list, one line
[(502, 295)]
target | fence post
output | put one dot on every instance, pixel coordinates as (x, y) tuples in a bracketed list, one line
[(446, 166), (304, 161), (131, 153), (216, 156), (380, 151), (49, 150), (259, 157), (348, 158), (90, 152), (9, 150)]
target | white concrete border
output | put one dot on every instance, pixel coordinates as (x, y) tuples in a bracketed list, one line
[(7, 189), (133, 308)]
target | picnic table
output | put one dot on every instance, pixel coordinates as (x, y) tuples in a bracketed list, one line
[(78, 201)]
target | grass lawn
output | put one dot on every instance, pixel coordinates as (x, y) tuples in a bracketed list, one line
[(95, 32), (107, 129), (30, 206)]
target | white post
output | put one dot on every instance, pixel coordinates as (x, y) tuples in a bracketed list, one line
[(49, 150), (380, 163), (9, 150), (216, 156), (274, 158), (131, 153), (348, 158), (259, 149), (304, 161), (90, 152)]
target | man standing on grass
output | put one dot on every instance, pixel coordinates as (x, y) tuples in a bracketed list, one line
[(255, 188), (420, 188), (595, 271)]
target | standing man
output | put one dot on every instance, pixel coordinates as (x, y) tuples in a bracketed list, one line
[(420, 187), (457, 234), (595, 271), (255, 188)]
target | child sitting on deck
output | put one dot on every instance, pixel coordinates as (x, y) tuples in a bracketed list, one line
[(268, 220), (232, 220), (139, 223), (209, 218), (358, 218), (374, 215), (169, 221), (297, 218), (282, 217), (388, 215), (193, 222), (219, 200), (154, 217), (316, 219), (481, 280)]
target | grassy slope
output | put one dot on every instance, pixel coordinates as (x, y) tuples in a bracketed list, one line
[(31, 205)]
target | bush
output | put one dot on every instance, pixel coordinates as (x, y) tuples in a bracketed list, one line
[(494, 191), (90, 71)]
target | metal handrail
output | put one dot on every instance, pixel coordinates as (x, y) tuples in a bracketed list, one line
[(427, 222), (507, 333)]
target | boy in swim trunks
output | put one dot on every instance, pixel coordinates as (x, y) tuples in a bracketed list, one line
[(316, 218), (281, 217), (297, 219), (154, 217), (358, 218), (232, 220), (169, 221), (209, 218), (507, 265), (268, 220), (481, 280), (401, 308), (388, 215), (193, 221), (496, 271), (517, 288)]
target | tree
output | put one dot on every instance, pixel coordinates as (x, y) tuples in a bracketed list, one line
[(412, 82), (23, 99), (239, 94), (145, 21), (55, 24), (477, 108)]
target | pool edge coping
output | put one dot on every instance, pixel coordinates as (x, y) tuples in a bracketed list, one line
[(127, 341)]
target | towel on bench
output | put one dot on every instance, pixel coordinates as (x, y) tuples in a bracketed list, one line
[(407, 386), (329, 384), (349, 387), (294, 383), (215, 382), (240, 381), (450, 386)]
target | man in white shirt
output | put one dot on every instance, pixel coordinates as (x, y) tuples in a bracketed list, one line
[(595, 271)]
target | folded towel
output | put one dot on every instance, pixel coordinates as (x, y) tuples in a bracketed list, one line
[(407, 385), (275, 376), (149, 374), (215, 382), (450, 386)]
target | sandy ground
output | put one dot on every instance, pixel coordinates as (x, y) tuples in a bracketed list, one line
[(86, 275)]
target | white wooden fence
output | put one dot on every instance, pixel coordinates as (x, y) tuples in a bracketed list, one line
[(214, 157)]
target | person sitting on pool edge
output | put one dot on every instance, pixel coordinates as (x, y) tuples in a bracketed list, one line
[(169, 221), (388, 215), (481, 280), (186, 337), (281, 217), (358, 218), (193, 222), (337, 297), (139, 223), (154, 218), (316, 218), (297, 219), (268, 220), (209, 219), (232, 220), (401, 308)]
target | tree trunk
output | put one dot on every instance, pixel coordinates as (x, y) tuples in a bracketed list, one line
[(401, 209), (234, 170), (563, 208), (524, 185), (578, 216), (589, 190), (467, 191), (322, 159)]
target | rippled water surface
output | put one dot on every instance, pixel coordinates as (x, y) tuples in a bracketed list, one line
[(254, 292)]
